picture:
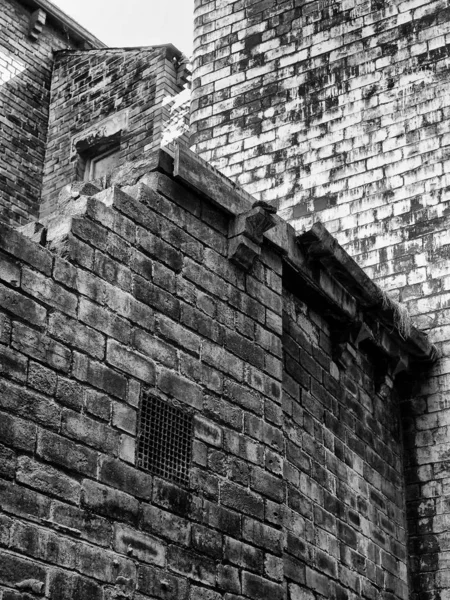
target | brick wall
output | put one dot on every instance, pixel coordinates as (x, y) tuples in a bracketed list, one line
[(147, 82), (295, 488), (338, 112), (25, 74), (104, 93), (344, 470)]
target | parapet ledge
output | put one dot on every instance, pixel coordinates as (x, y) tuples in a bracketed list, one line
[(318, 268), (315, 267)]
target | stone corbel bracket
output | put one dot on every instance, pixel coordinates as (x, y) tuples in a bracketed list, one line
[(350, 334), (183, 71), (388, 358), (246, 232), (184, 75), (37, 22)]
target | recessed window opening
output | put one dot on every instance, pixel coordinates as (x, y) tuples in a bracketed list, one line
[(165, 439), (96, 149), (99, 165)]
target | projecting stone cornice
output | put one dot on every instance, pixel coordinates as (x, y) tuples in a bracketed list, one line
[(62, 21), (316, 268)]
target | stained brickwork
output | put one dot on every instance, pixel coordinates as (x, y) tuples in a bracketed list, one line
[(331, 112), (295, 488), (339, 112), (38, 156), (25, 75), (100, 97), (82, 110)]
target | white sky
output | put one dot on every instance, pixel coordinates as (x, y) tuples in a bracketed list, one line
[(135, 22)]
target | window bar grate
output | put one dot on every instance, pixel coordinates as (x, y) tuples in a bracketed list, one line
[(165, 440)]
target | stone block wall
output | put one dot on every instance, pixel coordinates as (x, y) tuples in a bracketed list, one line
[(295, 486), (25, 76), (343, 470), (339, 113), (336, 112), (104, 96)]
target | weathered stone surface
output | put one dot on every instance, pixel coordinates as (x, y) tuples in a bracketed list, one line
[(162, 584), (138, 545), (109, 502), (296, 479), (48, 480)]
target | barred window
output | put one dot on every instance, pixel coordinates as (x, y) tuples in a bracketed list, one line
[(165, 439)]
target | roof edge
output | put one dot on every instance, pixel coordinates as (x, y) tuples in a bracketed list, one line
[(340, 283), (171, 50), (64, 22)]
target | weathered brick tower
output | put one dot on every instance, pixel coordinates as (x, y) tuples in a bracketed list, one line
[(197, 401), (340, 112)]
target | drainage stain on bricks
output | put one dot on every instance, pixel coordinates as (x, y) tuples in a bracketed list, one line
[(165, 440)]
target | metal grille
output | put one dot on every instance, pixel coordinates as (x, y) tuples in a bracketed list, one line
[(165, 440)]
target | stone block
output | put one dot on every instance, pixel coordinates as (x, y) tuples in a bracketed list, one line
[(156, 297), (126, 478), (21, 248), (66, 586), (161, 584), (138, 545), (13, 364), (112, 271), (262, 535), (267, 484), (243, 555), (99, 376), (109, 501), (240, 499), (16, 569), (166, 524), (207, 431), (9, 270), (42, 379), (172, 497), (22, 306), (8, 464), (207, 541), (194, 566), (58, 450), (45, 290), (172, 384), (131, 362), (30, 405), (73, 521), (103, 320), (73, 333), (155, 348), (257, 587), (90, 432), (47, 479)]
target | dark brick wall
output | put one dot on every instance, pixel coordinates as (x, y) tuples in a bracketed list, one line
[(343, 469), (147, 82), (295, 488), (25, 75), (90, 89)]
